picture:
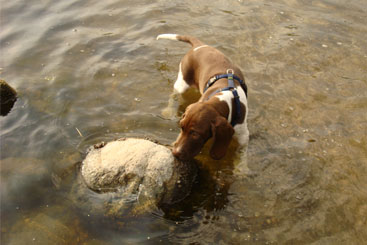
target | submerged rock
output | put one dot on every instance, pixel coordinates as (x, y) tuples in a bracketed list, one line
[(51, 225), (136, 171), (8, 97), (23, 175)]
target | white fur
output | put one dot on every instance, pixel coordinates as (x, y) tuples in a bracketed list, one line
[(241, 130), (202, 46), (227, 97), (167, 36), (180, 85)]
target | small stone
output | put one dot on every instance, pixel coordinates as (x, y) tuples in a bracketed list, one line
[(339, 43), (324, 46), (8, 97), (113, 74)]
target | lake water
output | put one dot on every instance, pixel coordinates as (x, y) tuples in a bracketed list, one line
[(92, 71)]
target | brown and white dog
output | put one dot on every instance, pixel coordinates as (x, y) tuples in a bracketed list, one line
[(212, 115)]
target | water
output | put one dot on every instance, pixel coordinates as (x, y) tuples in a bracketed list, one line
[(88, 71)]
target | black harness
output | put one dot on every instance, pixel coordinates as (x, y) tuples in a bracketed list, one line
[(230, 76)]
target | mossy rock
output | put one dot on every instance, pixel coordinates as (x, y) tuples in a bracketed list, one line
[(133, 175)]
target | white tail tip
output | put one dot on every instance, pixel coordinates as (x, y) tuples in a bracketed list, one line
[(167, 36)]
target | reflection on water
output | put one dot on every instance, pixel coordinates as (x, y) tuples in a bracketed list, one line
[(92, 71)]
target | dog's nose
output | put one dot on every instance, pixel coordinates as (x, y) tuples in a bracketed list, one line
[(177, 152)]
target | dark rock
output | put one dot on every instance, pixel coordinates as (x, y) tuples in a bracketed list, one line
[(8, 96)]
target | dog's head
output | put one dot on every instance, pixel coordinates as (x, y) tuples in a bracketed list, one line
[(199, 123)]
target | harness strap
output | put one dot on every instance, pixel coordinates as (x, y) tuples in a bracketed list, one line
[(232, 88), (215, 78)]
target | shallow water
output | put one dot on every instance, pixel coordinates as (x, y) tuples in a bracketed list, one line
[(88, 71)]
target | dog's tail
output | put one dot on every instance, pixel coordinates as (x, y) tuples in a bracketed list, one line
[(187, 39)]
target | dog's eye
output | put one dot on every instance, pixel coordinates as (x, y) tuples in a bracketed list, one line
[(194, 134)]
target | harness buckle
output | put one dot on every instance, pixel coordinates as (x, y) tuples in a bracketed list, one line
[(230, 71)]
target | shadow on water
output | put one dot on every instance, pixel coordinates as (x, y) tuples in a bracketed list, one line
[(209, 192)]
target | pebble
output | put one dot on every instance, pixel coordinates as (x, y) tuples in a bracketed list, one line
[(113, 74), (324, 46), (339, 43)]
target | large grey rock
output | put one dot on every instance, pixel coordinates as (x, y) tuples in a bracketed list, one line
[(136, 171)]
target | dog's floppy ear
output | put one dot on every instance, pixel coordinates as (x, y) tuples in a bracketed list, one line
[(222, 134)]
